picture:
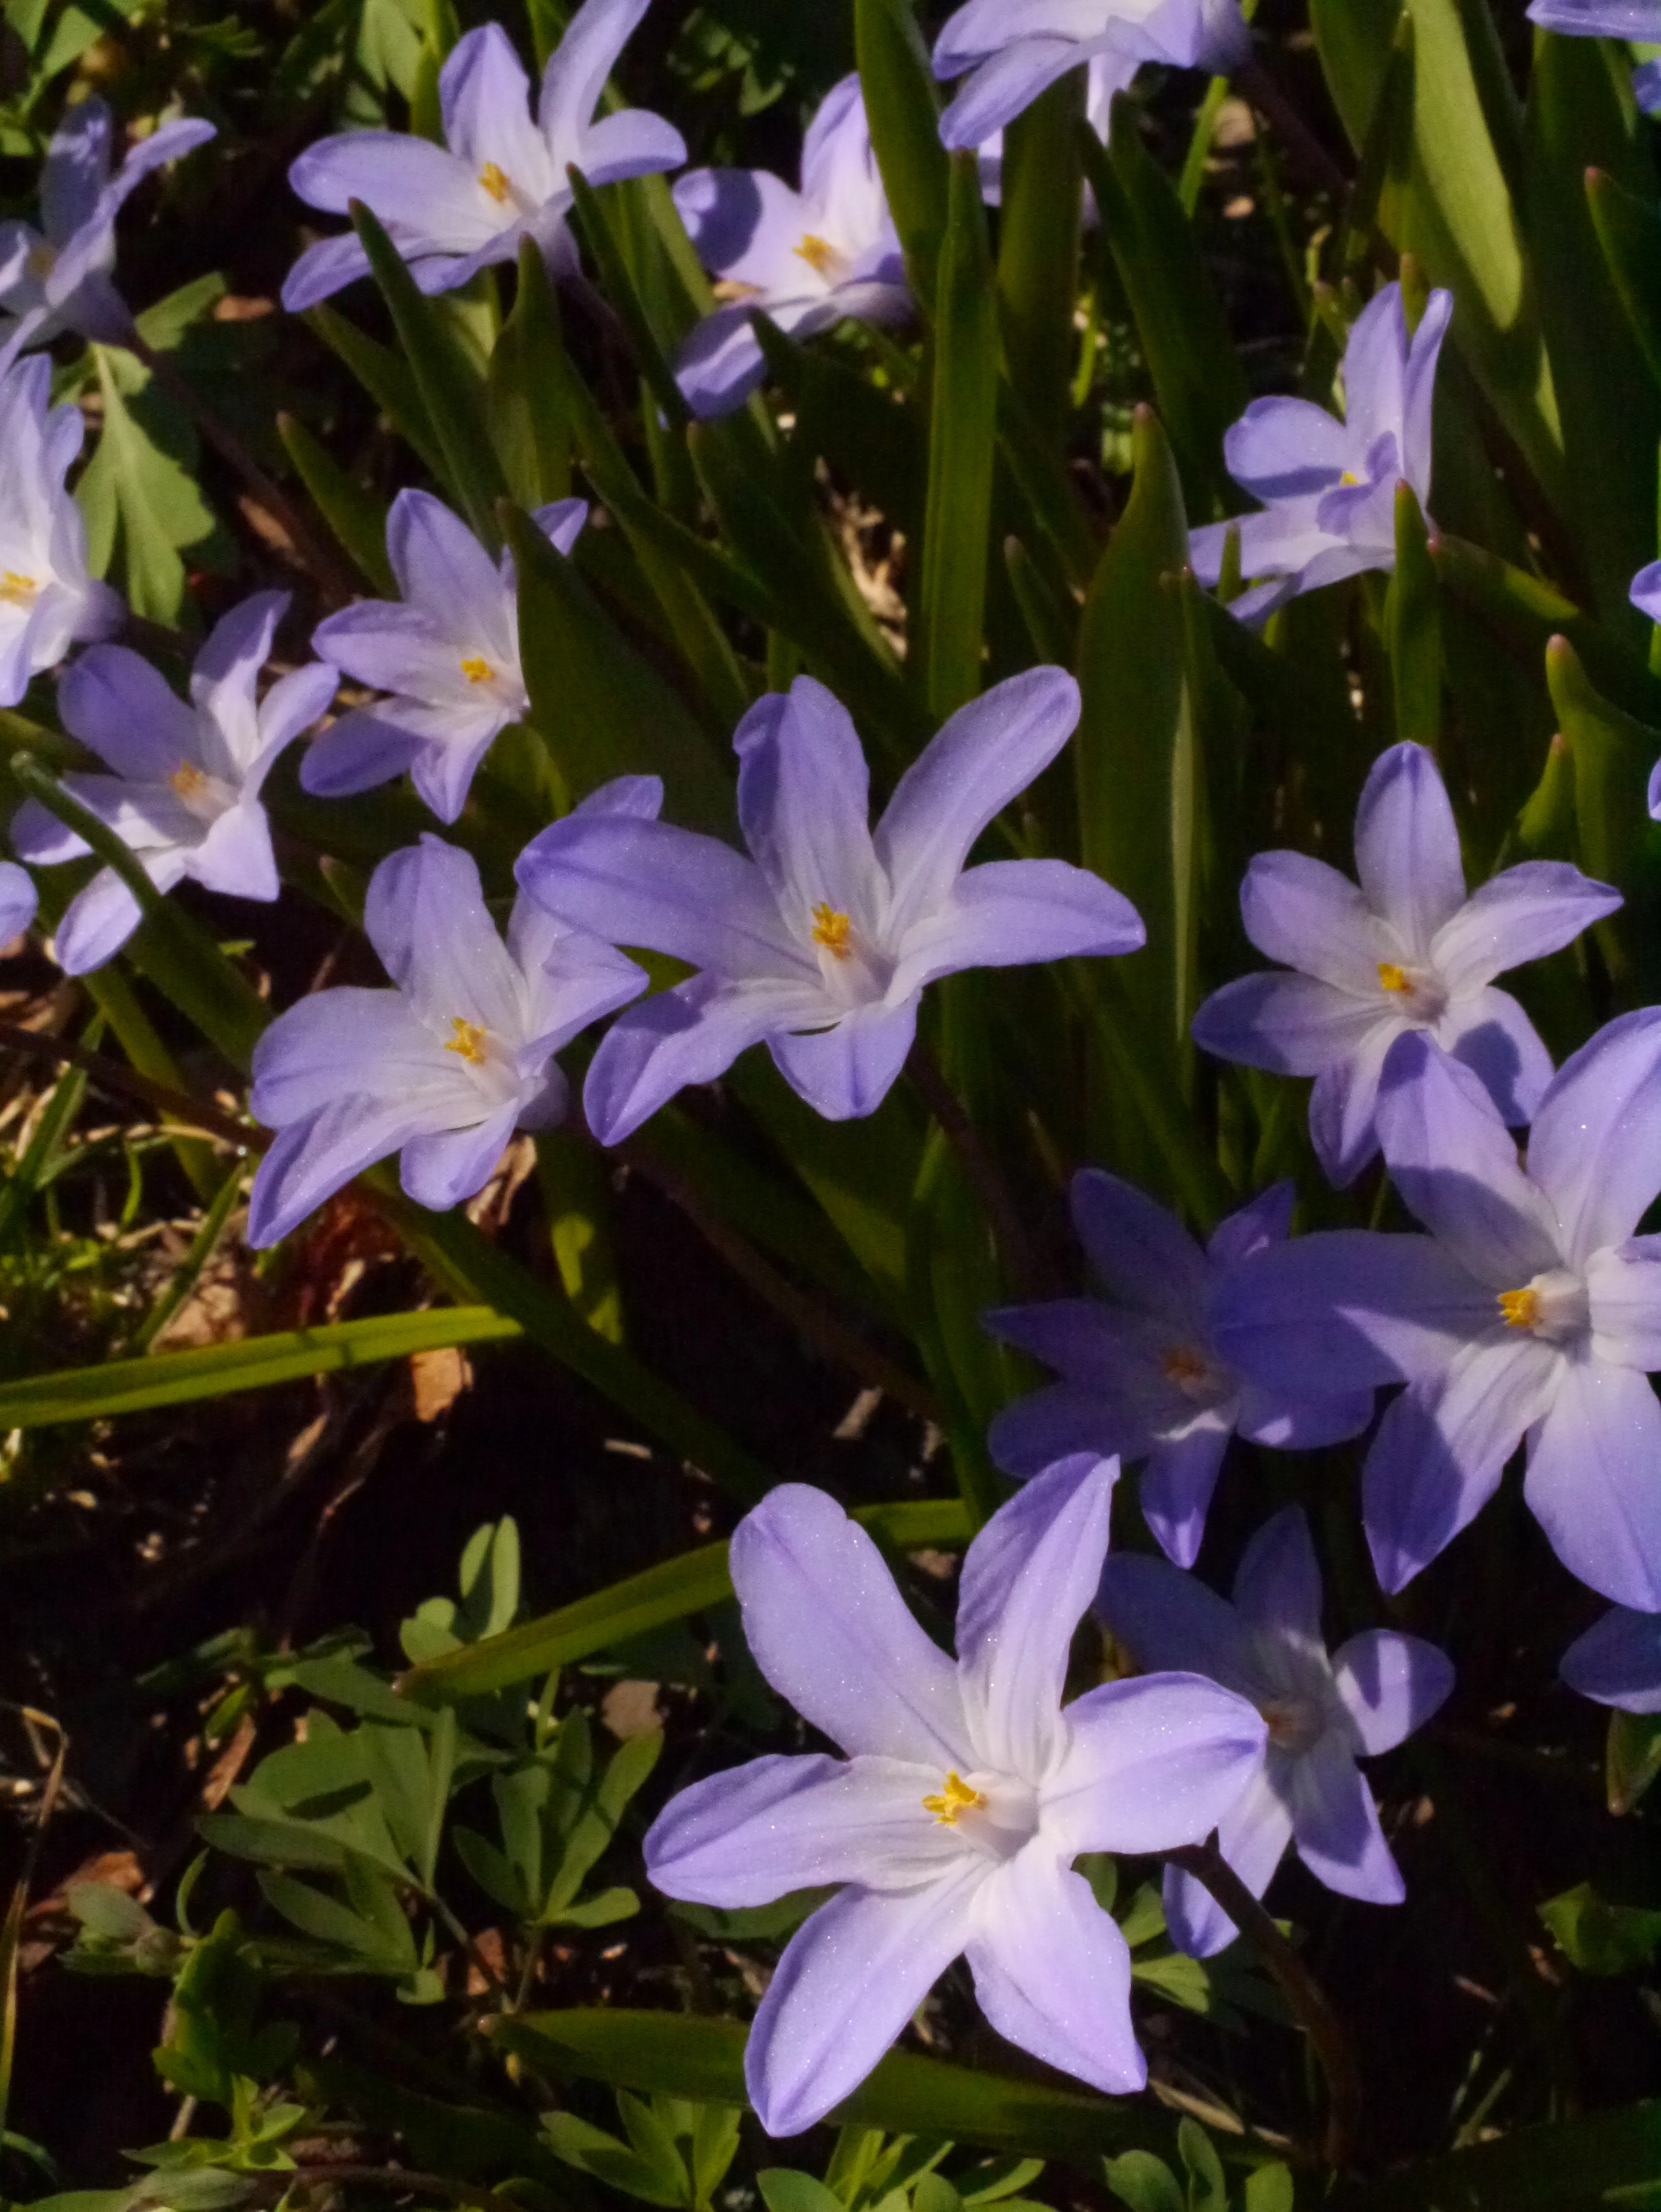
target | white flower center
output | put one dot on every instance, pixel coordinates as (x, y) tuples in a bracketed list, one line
[(825, 260), (1419, 992), (18, 590), (852, 970), (497, 183), (1554, 1306), (994, 1813), (205, 795)]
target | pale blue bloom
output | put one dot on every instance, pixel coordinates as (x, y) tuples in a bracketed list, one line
[(806, 260), (18, 901), (1323, 1714), (444, 1067), (448, 651), (58, 277), (48, 601), (1532, 1310), (1142, 1377), (500, 176), (1618, 1661), (1328, 488), (968, 1791), (185, 790), (1636, 21), (1011, 49), (1404, 951), (822, 942)]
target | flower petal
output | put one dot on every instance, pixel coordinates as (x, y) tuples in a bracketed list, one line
[(425, 916), (758, 1831), (1141, 1253), (1291, 1024), (631, 143), (1343, 1124), (1277, 1585), (423, 193), (1153, 1763), (692, 1034), (18, 901), (355, 754), (117, 704), (1591, 1480), (1052, 1972), (1334, 1825), (1027, 1580), (1493, 1037), (1003, 86), (1017, 914), (1285, 449), (804, 803), (1391, 1685), (1624, 1283), (224, 680), (235, 858), (442, 1168), (868, 1676), (1032, 1435), (1175, 1489), (1524, 914), (1407, 848), (484, 99), (338, 1043), (1252, 1837), (316, 1157), (76, 168), (1618, 1661), (1595, 1147), (577, 70), (1166, 1619), (1263, 1220), (1306, 915), (846, 1072)]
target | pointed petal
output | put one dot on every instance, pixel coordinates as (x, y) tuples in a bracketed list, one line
[(425, 916), (1141, 1253), (868, 1676), (355, 754), (1263, 1220), (1017, 914), (224, 681), (484, 98), (1285, 449), (1291, 1024), (632, 144), (692, 1034), (98, 922), (1334, 1825), (850, 1979), (322, 271), (294, 702), (720, 363), (1002, 87), (1624, 1283), (1167, 1620), (1027, 1579), (1418, 390), (442, 1168), (314, 1157), (235, 858), (1252, 1836), (1391, 1685), (1277, 1585), (76, 168), (1618, 1661), (1595, 1147), (1521, 915), (1052, 1972), (1493, 1037), (1591, 1480), (1407, 848), (427, 197), (846, 1072), (120, 705), (1342, 1106), (18, 901), (338, 1043), (443, 773), (1176, 1486), (804, 803), (1301, 1423), (577, 70), (1028, 1436), (1154, 1763), (1306, 915), (442, 570), (1375, 363)]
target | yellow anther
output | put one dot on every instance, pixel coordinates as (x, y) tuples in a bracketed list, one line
[(820, 256), (953, 1801), (42, 260), (476, 669), (1521, 1309), (188, 780), (1185, 1365), (18, 590), (469, 1042), (1349, 476), (1394, 978), (732, 288), (831, 929), (496, 181)]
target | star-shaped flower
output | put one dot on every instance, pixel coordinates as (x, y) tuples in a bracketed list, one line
[(48, 601)]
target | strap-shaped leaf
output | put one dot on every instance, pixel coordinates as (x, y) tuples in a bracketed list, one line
[(1413, 629), (357, 516), (905, 134)]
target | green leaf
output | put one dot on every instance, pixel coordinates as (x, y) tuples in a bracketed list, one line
[(1270, 2189), (1207, 2191), (591, 2150), (357, 516), (1000, 2178), (139, 492), (388, 379), (325, 1920), (753, 1923), (1631, 1757), (1568, 2165), (1038, 251), (695, 1583), (702, 2058), (899, 86), (1611, 755), (1598, 1937), (1628, 230), (258, 1362), (1413, 629), (1145, 2183), (783, 2189), (950, 609)]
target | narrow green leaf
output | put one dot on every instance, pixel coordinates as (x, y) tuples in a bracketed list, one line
[(1038, 252), (1611, 755), (617, 282), (1562, 2167), (389, 380), (140, 492), (695, 1582), (530, 423), (898, 86), (1145, 2183), (357, 516), (1413, 629), (1628, 230), (950, 607), (1631, 1758)]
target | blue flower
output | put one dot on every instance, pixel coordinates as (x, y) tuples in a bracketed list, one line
[(1531, 1310), (1328, 488), (444, 1067), (1142, 1377), (968, 1791), (806, 259), (1404, 951), (1322, 1712), (448, 652), (500, 176), (1618, 1661), (48, 601), (821, 944), (18, 901), (185, 794), (58, 277)]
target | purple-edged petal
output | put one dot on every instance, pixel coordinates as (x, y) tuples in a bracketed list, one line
[(484, 99), (1407, 848), (1638, 20), (1304, 915), (846, 1072), (721, 362), (804, 800), (443, 773), (988, 753), (850, 1979), (117, 704), (335, 1044), (76, 168), (577, 69), (1141, 1253), (100, 918), (1334, 1825), (1026, 1581), (1166, 1619), (1176, 1486), (1493, 1037), (1263, 1220), (1002, 87), (1291, 1024), (1343, 1106), (1375, 361), (425, 916), (1052, 1972), (1528, 912), (1442, 1446), (1252, 1837), (692, 1034), (1623, 1288), (1266, 1417), (1028, 1437), (868, 1676), (235, 858), (323, 269), (1153, 1763), (442, 1167), (355, 754), (294, 702), (632, 144), (1618, 1661), (18, 901), (1017, 914), (1591, 1480), (1391, 1685), (1277, 1585), (314, 1158), (1285, 449), (442, 569), (1595, 1147), (745, 223)]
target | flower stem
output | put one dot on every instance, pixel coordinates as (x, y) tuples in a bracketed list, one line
[(1306, 2001), (1027, 1272)]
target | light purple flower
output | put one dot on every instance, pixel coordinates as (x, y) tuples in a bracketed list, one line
[(1011, 49), (1637, 21), (18, 901), (48, 602), (806, 260), (1142, 1377), (1328, 488), (444, 1067), (1106, 76), (967, 1792), (822, 942), (500, 176), (1323, 1714), (448, 653), (1618, 1661), (185, 793), (1404, 951), (1531, 1309), (58, 277)]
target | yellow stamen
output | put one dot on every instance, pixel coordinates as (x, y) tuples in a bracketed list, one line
[(188, 780), (469, 1042), (495, 181), (732, 288), (42, 260), (820, 256), (954, 1801), (17, 591), (476, 669), (1349, 476), (1521, 1309), (1185, 1365), (831, 929), (1394, 978)]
